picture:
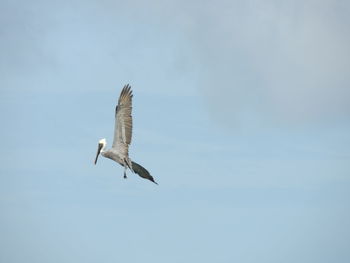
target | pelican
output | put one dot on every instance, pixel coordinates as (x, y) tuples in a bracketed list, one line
[(122, 137)]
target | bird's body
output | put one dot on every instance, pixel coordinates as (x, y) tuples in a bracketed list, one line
[(113, 155), (122, 137)]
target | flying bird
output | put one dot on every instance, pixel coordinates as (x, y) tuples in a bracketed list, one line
[(122, 137)]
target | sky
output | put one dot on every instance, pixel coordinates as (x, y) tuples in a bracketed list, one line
[(241, 113)]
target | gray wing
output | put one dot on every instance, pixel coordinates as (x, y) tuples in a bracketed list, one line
[(123, 122)]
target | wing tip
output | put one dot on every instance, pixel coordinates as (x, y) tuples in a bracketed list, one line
[(126, 91), (152, 179)]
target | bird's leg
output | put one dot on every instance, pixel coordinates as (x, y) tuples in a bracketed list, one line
[(125, 172)]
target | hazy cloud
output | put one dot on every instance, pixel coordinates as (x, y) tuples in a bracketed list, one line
[(252, 61), (287, 60)]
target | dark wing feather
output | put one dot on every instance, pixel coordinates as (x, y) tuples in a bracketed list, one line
[(142, 172)]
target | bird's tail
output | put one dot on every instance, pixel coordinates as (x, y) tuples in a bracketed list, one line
[(142, 172)]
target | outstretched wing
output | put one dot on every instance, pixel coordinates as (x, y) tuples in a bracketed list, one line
[(142, 172), (123, 121)]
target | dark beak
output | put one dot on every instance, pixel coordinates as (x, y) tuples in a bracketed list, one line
[(98, 151)]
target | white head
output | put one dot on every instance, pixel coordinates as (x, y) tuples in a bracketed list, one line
[(101, 145), (103, 142)]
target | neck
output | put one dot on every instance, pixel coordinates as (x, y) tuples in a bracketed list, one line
[(103, 148)]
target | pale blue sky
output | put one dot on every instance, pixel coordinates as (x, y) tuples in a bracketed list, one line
[(241, 113)]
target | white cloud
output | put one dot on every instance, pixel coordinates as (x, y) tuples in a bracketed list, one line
[(90, 46), (252, 60), (287, 61)]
